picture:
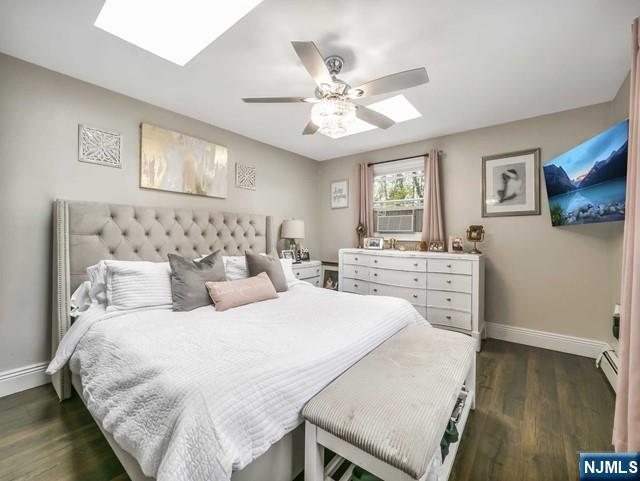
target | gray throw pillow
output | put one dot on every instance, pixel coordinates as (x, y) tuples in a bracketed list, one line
[(257, 263), (188, 279)]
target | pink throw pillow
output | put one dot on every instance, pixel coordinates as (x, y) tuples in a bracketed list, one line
[(228, 294)]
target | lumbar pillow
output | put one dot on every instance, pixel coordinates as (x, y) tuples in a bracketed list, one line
[(257, 263), (137, 284), (226, 295), (188, 278)]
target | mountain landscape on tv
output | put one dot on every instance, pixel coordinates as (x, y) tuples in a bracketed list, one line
[(588, 183)]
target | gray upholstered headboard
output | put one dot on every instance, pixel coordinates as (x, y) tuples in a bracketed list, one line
[(87, 232)]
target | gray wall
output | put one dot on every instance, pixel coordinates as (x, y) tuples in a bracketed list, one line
[(557, 279), (39, 115)]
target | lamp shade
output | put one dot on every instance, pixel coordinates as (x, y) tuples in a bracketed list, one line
[(292, 229)]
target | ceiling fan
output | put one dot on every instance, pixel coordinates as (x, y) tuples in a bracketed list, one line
[(333, 108)]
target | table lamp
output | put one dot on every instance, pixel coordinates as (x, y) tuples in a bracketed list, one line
[(292, 229)]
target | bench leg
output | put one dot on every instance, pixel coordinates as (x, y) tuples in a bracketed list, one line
[(313, 454), (470, 382)]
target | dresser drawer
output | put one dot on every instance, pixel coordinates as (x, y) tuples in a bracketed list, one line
[(314, 280), (306, 272), (399, 263), (449, 300), (398, 278), (414, 296), (449, 282), (449, 266), (355, 285), (355, 272), (450, 318), (355, 259)]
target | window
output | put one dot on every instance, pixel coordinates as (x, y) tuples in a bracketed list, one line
[(398, 198)]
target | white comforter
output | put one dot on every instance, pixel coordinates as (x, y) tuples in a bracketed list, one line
[(193, 396)]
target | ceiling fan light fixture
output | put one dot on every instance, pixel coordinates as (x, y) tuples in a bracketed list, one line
[(333, 116)]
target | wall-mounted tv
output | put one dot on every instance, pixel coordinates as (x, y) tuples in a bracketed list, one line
[(588, 183)]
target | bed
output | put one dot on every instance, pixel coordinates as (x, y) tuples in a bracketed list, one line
[(155, 381)]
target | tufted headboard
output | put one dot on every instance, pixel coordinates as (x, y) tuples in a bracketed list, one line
[(87, 232)]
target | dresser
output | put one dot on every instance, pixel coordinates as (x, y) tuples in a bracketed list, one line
[(308, 271), (447, 289)]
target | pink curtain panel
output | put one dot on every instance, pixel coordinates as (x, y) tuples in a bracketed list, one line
[(432, 226)]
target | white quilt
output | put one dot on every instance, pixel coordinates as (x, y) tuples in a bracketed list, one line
[(193, 396)]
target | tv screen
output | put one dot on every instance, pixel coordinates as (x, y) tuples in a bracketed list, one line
[(588, 183)]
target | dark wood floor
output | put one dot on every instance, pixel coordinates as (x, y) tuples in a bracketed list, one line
[(536, 409)]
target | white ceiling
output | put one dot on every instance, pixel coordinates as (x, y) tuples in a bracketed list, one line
[(489, 61)]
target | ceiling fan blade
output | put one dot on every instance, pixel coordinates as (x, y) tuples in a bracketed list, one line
[(313, 61), (393, 82), (273, 100), (374, 118), (310, 129)]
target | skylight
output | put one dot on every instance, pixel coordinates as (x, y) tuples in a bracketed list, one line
[(174, 30), (397, 108)]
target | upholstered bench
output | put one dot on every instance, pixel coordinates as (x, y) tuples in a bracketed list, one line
[(388, 412)]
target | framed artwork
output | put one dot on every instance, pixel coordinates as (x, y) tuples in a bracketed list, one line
[(99, 146), (436, 246), (340, 194), (176, 162), (456, 244), (511, 184), (330, 277), (245, 177), (374, 243)]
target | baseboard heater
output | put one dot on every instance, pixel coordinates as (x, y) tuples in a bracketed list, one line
[(608, 362)]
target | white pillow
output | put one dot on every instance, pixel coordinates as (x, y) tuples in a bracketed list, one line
[(80, 299), (136, 284), (287, 268), (235, 267), (97, 275)]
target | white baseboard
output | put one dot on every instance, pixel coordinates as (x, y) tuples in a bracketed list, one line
[(546, 340), (23, 378)]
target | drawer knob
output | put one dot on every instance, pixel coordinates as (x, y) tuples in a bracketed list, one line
[(375, 274), (355, 272), (298, 274), (415, 296), (448, 299), (415, 279), (375, 290), (449, 266), (355, 285), (415, 264), (355, 258), (317, 271), (375, 261), (449, 317), (448, 281)]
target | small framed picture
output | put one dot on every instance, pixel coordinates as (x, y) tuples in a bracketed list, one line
[(340, 194), (456, 244), (436, 246), (511, 184), (289, 254), (330, 277), (374, 243)]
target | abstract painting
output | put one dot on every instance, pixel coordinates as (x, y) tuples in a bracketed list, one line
[(511, 184), (245, 177), (176, 162), (587, 184)]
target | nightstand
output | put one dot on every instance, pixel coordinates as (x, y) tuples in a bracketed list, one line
[(308, 271)]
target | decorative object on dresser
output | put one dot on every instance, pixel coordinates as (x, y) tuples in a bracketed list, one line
[(456, 244), (511, 184), (245, 177), (177, 162), (303, 254), (308, 271), (374, 243), (436, 246), (330, 275), (446, 288), (475, 234), (340, 194), (99, 146), (292, 229)]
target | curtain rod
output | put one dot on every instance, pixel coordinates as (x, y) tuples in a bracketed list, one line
[(402, 158)]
